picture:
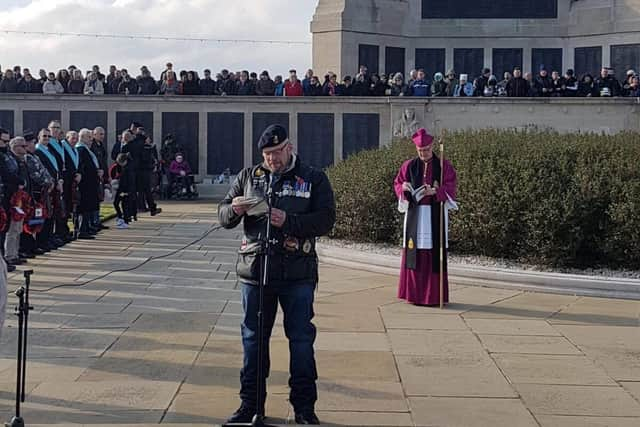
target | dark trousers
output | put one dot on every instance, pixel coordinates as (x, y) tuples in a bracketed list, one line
[(296, 302), (27, 243), (123, 205), (145, 195), (43, 237)]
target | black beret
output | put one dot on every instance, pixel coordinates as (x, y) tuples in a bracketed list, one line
[(272, 136), (29, 136)]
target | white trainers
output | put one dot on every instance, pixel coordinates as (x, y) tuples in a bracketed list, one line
[(122, 226), (119, 221)]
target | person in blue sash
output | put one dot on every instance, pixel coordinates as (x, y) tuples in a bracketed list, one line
[(46, 240), (89, 170)]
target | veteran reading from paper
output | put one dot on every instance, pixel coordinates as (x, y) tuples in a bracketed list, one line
[(303, 209), (420, 192)]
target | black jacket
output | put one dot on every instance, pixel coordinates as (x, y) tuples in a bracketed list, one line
[(130, 84), (9, 86), (30, 86), (305, 194), (246, 89), (207, 87), (544, 83), (517, 87), (190, 87), (315, 91), (611, 83), (100, 150), (88, 186), (147, 85), (9, 171)]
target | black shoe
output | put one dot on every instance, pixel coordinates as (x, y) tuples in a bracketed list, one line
[(26, 255), (11, 268), (38, 251), (307, 417), (45, 249), (86, 236), (103, 227), (243, 415), (155, 211)]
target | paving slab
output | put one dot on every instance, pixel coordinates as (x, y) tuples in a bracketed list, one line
[(511, 327), (578, 421), (528, 344), (578, 400), (426, 321), (466, 412), (552, 369), (452, 376)]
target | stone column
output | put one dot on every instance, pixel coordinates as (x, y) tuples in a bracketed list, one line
[(527, 56), (18, 120), (448, 60), (203, 140), (337, 137), (157, 125), (606, 59), (248, 138), (111, 130)]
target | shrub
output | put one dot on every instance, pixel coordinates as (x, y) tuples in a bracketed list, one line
[(541, 197)]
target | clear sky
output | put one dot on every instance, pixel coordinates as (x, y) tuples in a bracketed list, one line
[(216, 19)]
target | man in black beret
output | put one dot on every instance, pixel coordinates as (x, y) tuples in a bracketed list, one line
[(303, 209)]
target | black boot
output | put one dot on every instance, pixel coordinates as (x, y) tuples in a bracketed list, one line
[(243, 415), (307, 417)]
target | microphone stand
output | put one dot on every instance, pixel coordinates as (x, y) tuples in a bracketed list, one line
[(265, 255), (22, 311)]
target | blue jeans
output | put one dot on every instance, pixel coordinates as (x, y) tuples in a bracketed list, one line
[(297, 305)]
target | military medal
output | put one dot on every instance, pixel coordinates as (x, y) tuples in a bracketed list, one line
[(306, 248)]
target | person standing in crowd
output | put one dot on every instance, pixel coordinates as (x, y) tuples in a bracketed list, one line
[(533, 90), (9, 181), (63, 213), (207, 85), (89, 169), (633, 86), (452, 82), (517, 86), (41, 185), (170, 85), (439, 86), (74, 177), (279, 83), (76, 84), (124, 181), (481, 82), (293, 87), (377, 87), (544, 83), (191, 85), (586, 87), (46, 240), (146, 83), (127, 86), (315, 88), (398, 88), (464, 88), (9, 84), (558, 85), (265, 86), (245, 87), (28, 84), (306, 83), (420, 265), (52, 86), (93, 86), (63, 77), (99, 149), (420, 86), (20, 201), (113, 71), (330, 88), (345, 89), (606, 84), (502, 84), (571, 84), (360, 87), (297, 222)]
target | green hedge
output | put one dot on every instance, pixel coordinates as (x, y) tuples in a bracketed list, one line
[(563, 200)]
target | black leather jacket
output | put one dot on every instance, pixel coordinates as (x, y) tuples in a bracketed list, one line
[(305, 194)]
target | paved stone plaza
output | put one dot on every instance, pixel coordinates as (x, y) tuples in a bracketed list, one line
[(161, 344)]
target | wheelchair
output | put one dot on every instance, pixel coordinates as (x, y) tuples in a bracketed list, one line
[(182, 188)]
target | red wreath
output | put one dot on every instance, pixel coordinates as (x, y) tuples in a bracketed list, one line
[(20, 205), (3, 219)]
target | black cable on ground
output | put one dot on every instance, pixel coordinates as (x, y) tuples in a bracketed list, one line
[(129, 269)]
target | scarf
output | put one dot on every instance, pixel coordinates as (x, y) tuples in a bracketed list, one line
[(93, 156), (56, 146), (71, 152), (44, 150), (416, 175)]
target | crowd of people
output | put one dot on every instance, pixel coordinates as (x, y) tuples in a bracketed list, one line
[(52, 184), (546, 83)]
